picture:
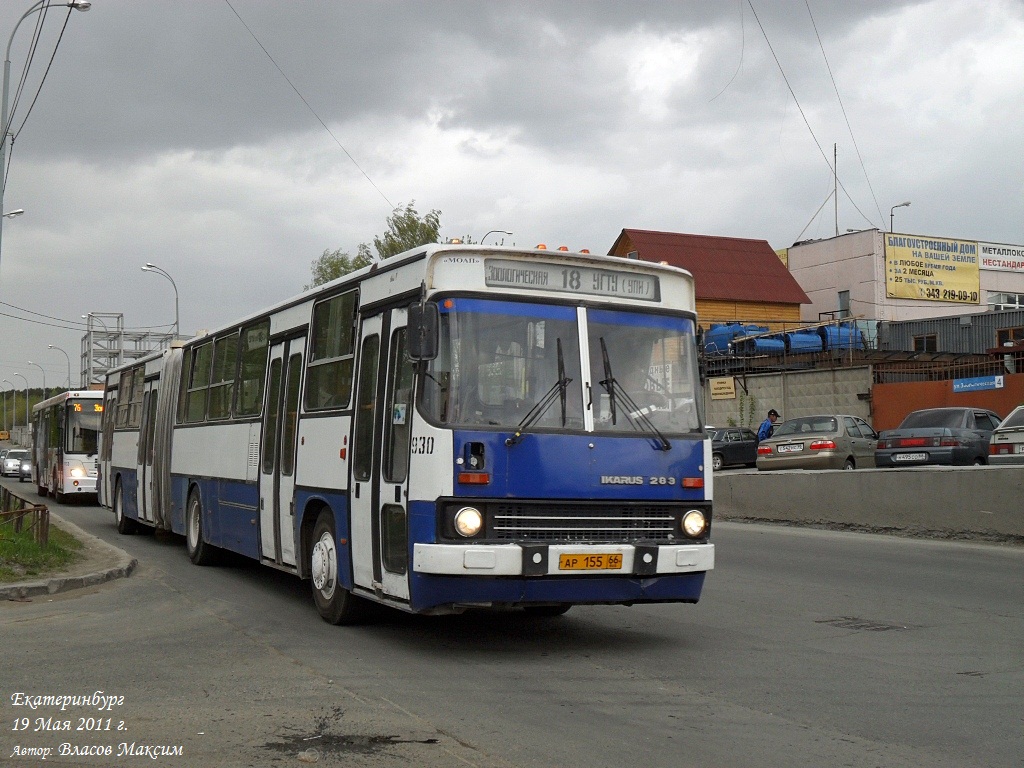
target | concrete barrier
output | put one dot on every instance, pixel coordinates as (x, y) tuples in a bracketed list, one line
[(955, 502)]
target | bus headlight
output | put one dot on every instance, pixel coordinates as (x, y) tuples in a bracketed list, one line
[(469, 521), (695, 524), (77, 468)]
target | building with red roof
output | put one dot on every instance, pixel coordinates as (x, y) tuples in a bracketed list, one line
[(735, 278)]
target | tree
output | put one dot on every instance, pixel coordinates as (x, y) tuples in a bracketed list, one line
[(406, 230), (334, 264)]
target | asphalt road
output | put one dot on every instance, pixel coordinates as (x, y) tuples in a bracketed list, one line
[(809, 648)]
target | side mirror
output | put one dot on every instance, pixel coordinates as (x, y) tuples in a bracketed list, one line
[(424, 321)]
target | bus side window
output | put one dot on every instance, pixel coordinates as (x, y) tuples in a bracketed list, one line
[(252, 371), (397, 426), (331, 353)]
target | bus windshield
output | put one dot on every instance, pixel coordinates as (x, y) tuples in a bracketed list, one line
[(83, 427), (507, 363), (644, 372)]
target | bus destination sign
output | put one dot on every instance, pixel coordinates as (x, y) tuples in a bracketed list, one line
[(570, 278)]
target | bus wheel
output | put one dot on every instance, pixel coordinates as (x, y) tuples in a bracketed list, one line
[(56, 492), (335, 603), (547, 611), (199, 551), (125, 525)]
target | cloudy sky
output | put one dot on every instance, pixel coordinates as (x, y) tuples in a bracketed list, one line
[(232, 141)]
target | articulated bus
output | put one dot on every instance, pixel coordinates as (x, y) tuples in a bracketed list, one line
[(65, 443), (456, 427)]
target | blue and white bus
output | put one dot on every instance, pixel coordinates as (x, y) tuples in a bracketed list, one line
[(459, 426)]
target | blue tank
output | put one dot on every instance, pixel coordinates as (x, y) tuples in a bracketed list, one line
[(718, 338), (763, 345), (803, 341), (845, 336)]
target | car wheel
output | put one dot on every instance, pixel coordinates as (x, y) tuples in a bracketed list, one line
[(199, 552), (125, 525), (979, 462), (335, 604), (848, 464), (717, 462)]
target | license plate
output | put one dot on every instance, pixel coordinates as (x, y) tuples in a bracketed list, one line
[(791, 448), (601, 562), (910, 457)]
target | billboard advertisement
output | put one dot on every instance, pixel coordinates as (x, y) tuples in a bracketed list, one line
[(932, 269), (1002, 257)]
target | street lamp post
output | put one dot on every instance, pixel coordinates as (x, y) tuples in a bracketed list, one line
[(495, 231), (66, 357), (154, 268), (37, 365), (78, 5), (14, 402), (27, 421), (892, 212)]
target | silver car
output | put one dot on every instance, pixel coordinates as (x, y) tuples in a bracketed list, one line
[(827, 441), (1006, 446), (11, 466)]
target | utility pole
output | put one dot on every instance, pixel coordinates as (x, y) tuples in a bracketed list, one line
[(835, 183)]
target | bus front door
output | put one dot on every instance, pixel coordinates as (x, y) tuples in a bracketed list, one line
[(277, 452), (380, 461)]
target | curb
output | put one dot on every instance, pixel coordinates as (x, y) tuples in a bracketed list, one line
[(121, 567)]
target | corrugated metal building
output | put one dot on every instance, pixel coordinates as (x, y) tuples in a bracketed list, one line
[(963, 334)]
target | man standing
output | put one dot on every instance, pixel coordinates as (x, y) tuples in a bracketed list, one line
[(767, 426)]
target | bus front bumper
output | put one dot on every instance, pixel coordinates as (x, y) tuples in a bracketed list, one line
[(562, 559)]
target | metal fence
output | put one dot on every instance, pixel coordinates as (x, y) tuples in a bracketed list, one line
[(23, 515)]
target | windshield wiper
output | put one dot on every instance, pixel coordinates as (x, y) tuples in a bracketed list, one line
[(558, 389), (636, 415)]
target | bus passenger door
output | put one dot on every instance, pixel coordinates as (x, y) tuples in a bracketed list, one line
[(144, 460), (380, 461), (105, 497), (277, 452)]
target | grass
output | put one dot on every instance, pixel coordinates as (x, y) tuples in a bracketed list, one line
[(22, 558)]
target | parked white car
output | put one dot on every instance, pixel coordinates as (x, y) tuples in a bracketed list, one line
[(1006, 446)]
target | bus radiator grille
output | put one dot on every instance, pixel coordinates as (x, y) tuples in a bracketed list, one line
[(582, 523)]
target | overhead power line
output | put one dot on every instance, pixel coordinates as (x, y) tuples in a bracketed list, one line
[(803, 114), (309, 106), (842, 108)]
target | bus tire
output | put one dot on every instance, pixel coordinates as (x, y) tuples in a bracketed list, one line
[(57, 494), (199, 551), (125, 525), (335, 604), (547, 611)]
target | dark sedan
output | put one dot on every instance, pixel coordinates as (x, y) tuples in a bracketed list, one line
[(733, 446), (953, 436)]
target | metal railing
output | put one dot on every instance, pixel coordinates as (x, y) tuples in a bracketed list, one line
[(23, 515)]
